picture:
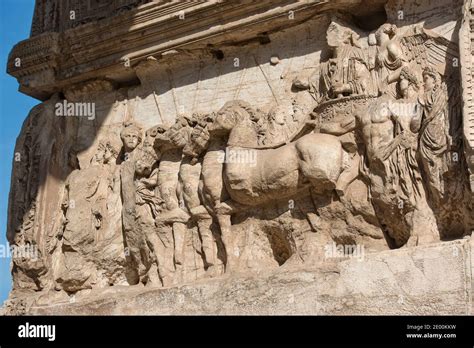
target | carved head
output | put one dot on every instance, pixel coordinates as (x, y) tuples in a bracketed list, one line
[(408, 82), (279, 113), (112, 150), (131, 136), (142, 168), (98, 157), (145, 162), (431, 78), (386, 32), (339, 33), (150, 135)]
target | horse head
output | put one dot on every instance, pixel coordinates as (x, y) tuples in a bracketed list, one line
[(199, 138), (218, 126), (160, 137), (231, 114), (174, 137)]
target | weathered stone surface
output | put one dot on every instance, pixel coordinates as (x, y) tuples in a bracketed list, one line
[(422, 280), (223, 151)]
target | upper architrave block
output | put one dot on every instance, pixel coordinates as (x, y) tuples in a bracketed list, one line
[(110, 47), (60, 15)]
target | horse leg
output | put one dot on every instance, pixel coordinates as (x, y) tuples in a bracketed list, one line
[(348, 175), (214, 192), (225, 225), (170, 223), (165, 251), (190, 183)]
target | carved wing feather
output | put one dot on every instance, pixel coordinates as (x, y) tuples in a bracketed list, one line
[(427, 48), (414, 49)]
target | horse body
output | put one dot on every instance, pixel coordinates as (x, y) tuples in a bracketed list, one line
[(315, 160), (267, 174)]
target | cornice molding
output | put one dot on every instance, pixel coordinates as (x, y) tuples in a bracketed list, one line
[(53, 61)]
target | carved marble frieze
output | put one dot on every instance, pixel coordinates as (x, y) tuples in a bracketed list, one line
[(181, 141)]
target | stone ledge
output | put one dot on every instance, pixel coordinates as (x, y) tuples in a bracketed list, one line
[(427, 280)]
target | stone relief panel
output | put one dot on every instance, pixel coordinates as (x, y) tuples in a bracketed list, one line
[(249, 158)]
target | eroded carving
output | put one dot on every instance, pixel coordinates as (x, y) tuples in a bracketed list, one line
[(364, 148)]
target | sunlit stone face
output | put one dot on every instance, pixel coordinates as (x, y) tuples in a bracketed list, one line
[(130, 141)]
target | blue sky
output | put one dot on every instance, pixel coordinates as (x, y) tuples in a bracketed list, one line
[(15, 23)]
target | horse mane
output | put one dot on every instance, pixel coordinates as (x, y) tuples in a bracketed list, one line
[(235, 105)]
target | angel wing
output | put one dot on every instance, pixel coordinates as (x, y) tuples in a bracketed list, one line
[(427, 48)]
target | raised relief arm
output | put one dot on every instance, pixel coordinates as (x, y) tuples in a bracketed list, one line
[(415, 122), (338, 128)]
